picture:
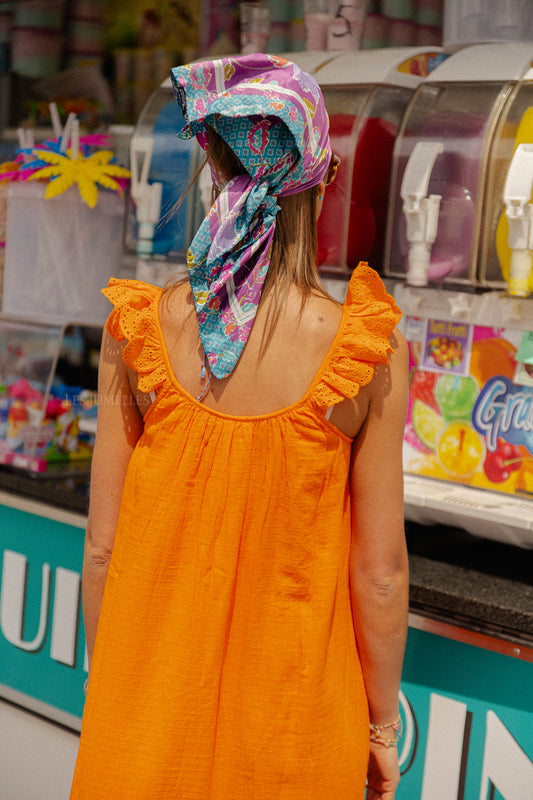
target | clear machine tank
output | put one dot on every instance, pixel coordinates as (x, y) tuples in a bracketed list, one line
[(366, 94), (440, 165), (159, 159)]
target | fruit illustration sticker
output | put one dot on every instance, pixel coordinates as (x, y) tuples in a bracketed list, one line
[(447, 346), (475, 428)]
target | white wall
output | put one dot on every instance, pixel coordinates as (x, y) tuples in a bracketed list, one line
[(36, 756)]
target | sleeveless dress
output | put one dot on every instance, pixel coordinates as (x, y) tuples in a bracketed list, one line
[(225, 665)]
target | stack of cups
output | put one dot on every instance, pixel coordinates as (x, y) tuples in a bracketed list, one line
[(401, 18), (37, 37), (317, 21), (332, 25), (255, 21), (85, 33), (429, 22), (346, 29), (280, 27)]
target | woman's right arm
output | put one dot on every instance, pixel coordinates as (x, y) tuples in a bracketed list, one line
[(118, 429), (379, 568)]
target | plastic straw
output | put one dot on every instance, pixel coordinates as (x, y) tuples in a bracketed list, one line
[(56, 122), (75, 139), (66, 132), (26, 141)]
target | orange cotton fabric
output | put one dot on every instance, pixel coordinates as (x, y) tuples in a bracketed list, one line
[(226, 664)]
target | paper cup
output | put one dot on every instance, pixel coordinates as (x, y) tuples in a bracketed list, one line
[(317, 18), (346, 28), (255, 27)]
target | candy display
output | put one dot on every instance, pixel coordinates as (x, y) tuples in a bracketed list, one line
[(48, 398), (471, 406), (445, 352)]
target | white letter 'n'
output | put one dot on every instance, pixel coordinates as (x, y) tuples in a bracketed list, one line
[(504, 763)]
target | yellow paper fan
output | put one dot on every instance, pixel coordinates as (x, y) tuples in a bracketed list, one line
[(86, 172)]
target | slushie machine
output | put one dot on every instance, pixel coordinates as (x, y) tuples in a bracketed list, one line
[(459, 248), (366, 94)]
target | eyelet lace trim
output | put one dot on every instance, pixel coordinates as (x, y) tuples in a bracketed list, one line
[(134, 318), (364, 342)]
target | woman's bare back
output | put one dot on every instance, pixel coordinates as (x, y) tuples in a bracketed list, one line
[(272, 373)]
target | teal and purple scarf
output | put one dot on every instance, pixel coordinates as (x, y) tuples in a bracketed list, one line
[(272, 115)]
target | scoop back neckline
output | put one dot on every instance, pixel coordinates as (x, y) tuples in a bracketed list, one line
[(250, 417)]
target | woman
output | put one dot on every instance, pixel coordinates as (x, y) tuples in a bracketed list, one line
[(246, 513)]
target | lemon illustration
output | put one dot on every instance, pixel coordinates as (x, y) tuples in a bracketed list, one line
[(461, 450), (427, 424)]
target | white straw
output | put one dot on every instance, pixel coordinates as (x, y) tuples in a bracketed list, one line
[(26, 141), (75, 139), (56, 122), (66, 132)]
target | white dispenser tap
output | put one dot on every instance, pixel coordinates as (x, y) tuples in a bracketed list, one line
[(421, 212), (147, 196), (519, 211)]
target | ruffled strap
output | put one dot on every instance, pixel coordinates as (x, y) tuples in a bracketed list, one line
[(134, 317), (370, 316)]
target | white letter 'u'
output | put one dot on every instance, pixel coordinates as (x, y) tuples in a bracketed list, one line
[(12, 596)]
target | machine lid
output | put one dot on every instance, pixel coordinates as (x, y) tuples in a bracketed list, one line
[(311, 60), (397, 66), (493, 62)]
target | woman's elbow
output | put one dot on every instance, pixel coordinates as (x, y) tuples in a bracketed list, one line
[(97, 558), (383, 580), (388, 585)]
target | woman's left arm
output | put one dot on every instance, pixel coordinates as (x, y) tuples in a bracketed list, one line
[(379, 566), (119, 427)]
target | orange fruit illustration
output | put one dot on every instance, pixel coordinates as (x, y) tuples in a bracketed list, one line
[(491, 357)]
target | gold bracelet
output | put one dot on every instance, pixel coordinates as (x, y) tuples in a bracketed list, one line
[(376, 733)]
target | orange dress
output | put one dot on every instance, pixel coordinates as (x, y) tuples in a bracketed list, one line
[(225, 664)]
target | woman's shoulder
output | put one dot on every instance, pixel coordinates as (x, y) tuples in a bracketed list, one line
[(322, 317)]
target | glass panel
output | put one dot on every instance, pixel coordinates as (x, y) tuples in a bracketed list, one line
[(174, 163), (461, 117), (345, 106), (363, 124), (516, 128)]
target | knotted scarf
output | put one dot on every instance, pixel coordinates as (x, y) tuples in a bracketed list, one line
[(272, 115)]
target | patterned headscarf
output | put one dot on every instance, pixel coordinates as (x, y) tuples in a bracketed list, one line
[(273, 117)]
